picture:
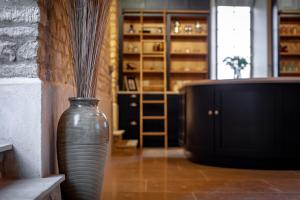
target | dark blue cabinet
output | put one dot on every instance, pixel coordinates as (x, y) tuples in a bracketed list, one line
[(129, 114), (129, 119), (174, 119)]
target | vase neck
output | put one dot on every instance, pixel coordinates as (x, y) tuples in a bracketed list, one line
[(79, 101)]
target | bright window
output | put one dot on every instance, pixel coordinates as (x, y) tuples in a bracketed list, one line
[(233, 38)]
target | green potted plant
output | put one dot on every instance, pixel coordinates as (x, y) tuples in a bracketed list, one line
[(83, 133), (237, 64)]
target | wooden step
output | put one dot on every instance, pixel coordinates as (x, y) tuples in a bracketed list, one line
[(35, 188), (154, 117), (153, 101), (118, 132), (5, 147), (154, 133), (118, 135), (126, 144)]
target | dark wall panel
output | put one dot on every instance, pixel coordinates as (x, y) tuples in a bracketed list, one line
[(178, 4), (199, 4), (132, 4), (156, 4)]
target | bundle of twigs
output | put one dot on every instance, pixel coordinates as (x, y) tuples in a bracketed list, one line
[(87, 20)]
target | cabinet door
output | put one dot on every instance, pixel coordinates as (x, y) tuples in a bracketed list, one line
[(174, 119), (291, 119), (132, 4), (129, 115), (245, 123), (199, 124), (178, 4)]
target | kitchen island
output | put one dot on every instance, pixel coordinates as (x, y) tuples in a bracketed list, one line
[(249, 123)]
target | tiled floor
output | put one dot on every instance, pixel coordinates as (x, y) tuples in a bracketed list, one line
[(156, 174)]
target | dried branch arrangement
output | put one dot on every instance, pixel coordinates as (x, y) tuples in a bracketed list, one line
[(87, 20)]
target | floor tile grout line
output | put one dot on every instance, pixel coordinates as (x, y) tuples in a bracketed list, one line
[(194, 196), (204, 175), (271, 185)]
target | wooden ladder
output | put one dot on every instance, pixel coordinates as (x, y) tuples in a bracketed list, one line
[(162, 101)]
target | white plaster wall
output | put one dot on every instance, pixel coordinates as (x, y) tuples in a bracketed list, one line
[(261, 40), (20, 124), (29, 114), (213, 44), (54, 103)]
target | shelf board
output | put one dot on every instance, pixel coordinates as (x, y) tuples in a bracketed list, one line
[(188, 35), (289, 73), (130, 53), (153, 35), (153, 101), (153, 55), (153, 41), (144, 71), (153, 71), (131, 35), (130, 72), (290, 36), (154, 133), (188, 72), (153, 117), (289, 54), (188, 54)]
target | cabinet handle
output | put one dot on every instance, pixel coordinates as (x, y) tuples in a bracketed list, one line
[(133, 123), (217, 112), (133, 104), (133, 96), (210, 112)]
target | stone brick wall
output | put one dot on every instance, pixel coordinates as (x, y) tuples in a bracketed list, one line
[(18, 38)]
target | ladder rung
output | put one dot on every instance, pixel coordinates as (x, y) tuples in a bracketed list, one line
[(153, 101), (153, 117), (154, 133)]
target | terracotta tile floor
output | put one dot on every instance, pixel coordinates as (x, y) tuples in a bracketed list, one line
[(156, 174)]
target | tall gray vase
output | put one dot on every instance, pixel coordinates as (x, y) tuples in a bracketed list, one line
[(82, 143)]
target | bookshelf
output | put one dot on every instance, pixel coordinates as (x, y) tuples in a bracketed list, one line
[(155, 60), (289, 44)]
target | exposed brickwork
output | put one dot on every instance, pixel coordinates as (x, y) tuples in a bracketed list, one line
[(54, 50), (114, 47), (54, 57)]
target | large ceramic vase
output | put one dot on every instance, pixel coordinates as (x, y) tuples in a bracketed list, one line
[(82, 144)]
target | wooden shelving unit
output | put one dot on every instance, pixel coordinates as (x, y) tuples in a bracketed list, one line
[(160, 61), (289, 44), (188, 49)]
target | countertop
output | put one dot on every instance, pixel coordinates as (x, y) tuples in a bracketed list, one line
[(246, 81)]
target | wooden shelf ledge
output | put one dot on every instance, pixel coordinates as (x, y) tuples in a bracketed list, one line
[(154, 117), (188, 72), (289, 54), (188, 54), (154, 133), (289, 73), (5, 147), (153, 101), (189, 35)]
